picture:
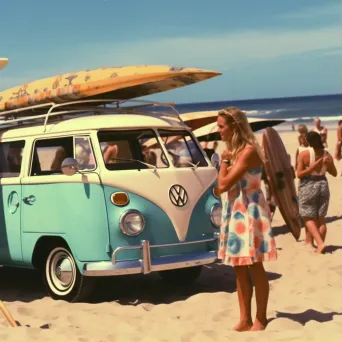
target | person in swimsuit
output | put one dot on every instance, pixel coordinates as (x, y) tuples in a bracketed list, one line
[(313, 188), (303, 131), (303, 146), (338, 149), (246, 238), (322, 131)]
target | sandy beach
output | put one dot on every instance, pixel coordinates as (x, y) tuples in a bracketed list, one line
[(305, 301)]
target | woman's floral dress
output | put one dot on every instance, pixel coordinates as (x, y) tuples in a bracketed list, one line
[(246, 233)]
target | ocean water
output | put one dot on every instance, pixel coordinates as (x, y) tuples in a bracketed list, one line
[(296, 110)]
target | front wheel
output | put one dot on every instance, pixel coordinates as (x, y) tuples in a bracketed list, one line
[(181, 276), (62, 277)]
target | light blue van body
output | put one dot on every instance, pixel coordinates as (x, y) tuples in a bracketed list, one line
[(82, 214), (91, 237)]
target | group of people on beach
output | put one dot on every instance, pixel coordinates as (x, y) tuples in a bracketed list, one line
[(246, 238), (313, 161)]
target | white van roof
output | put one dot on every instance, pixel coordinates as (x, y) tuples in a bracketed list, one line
[(102, 118), (88, 123)]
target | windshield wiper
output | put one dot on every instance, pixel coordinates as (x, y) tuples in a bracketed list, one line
[(136, 160), (195, 166)]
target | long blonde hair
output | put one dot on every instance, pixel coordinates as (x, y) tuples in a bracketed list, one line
[(243, 133)]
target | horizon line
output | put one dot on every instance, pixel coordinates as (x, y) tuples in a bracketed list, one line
[(259, 99)]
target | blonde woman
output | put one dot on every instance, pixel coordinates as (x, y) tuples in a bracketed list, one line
[(246, 236)]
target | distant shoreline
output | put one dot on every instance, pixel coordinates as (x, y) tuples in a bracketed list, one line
[(260, 99)]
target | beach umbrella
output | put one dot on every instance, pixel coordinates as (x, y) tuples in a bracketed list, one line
[(209, 132)]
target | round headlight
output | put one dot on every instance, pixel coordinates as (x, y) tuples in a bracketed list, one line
[(132, 223), (216, 214)]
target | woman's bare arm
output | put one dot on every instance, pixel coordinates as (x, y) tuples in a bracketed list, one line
[(331, 166), (242, 164), (296, 158), (111, 152), (223, 170)]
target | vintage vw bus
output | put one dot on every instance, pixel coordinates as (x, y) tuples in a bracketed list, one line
[(90, 190)]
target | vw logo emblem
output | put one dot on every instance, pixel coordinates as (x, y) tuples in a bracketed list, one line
[(178, 195)]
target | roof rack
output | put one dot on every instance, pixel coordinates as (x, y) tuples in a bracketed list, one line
[(43, 112)]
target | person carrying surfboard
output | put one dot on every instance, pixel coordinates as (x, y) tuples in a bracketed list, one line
[(313, 187), (246, 238)]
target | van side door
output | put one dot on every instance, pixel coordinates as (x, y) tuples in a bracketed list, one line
[(11, 160), (72, 207)]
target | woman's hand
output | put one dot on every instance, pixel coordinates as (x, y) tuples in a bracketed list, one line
[(327, 160), (226, 155), (317, 165), (227, 178)]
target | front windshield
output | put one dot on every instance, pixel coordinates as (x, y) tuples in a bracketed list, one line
[(140, 149), (182, 148), (131, 150)]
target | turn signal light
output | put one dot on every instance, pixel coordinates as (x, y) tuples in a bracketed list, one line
[(119, 198), (216, 192)]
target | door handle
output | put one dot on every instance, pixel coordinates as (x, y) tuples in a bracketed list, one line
[(29, 200)]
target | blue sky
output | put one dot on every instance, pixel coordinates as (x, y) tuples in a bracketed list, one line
[(264, 48)]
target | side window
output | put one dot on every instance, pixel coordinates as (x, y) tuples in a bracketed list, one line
[(49, 154), (11, 155), (84, 153)]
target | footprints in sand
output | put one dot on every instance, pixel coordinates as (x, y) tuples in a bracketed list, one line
[(202, 335), (25, 311), (221, 315)]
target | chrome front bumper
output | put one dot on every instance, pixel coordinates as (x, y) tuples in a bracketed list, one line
[(147, 264)]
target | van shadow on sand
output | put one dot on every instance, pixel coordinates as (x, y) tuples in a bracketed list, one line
[(25, 285)]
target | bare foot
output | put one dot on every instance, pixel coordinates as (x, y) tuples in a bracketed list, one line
[(321, 249), (243, 326), (258, 326)]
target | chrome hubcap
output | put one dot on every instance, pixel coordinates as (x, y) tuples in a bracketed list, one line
[(62, 271)]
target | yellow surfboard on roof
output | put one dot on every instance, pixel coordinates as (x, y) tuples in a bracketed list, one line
[(120, 83)]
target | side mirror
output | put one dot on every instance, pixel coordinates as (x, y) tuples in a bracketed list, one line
[(69, 166)]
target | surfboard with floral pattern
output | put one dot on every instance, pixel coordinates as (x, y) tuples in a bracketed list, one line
[(120, 83)]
